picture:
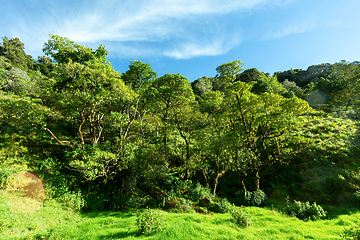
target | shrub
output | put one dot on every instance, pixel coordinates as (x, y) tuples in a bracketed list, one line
[(257, 198), (72, 199), (240, 217), (221, 206), (352, 233), (304, 211), (356, 197), (148, 222), (198, 191)]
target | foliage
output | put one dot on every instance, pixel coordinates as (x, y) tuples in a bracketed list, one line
[(356, 197), (16, 81), (225, 206), (14, 50), (304, 211), (250, 75), (352, 233), (240, 217), (227, 73), (148, 222), (202, 85), (257, 198), (268, 84), (128, 140)]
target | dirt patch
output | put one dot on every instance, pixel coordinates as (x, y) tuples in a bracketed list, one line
[(24, 192)]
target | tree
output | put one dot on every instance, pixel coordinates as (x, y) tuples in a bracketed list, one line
[(13, 50), (227, 73), (45, 65), (87, 97), (250, 75), (17, 81), (139, 75), (189, 121), (267, 84), (292, 89), (63, 50), (344, 77), (259, 125), (168, 94), (214, 153), (202, 85)]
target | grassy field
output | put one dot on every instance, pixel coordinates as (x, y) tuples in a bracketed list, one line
[(54, 222)]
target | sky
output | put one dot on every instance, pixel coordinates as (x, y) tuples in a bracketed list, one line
[(193, 37)]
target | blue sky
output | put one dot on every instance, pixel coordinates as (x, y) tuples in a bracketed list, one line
[(193, 37)]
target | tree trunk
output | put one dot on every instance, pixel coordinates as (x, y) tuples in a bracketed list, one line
[(187, 170), (216, 182), (257, 180), (244, 187), (205, 173)]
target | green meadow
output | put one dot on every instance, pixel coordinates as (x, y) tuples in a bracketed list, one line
[(52, 221)]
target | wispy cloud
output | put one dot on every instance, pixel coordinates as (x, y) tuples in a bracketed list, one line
[(291, 29), (178, 28), (216, 45)]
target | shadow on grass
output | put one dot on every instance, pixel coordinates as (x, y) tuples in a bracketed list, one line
[(110, 214), (336, 211), (121, 234)]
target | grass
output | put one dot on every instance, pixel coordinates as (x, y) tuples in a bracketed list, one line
[(54, 222)]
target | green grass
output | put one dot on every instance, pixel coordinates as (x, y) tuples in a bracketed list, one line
[(54, 222)]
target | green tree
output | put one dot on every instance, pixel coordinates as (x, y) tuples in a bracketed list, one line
[(268, 84), (17, 81), (344, 77), (168, 94), (13, 50), (259, 125), (63, 50), (202, 85), (45, 65), (189, 121), (87, 96), (214, 155), (227, 73), (139, 75), (292, 89), (250, 75)]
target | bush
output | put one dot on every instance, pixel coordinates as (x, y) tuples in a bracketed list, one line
[(257, 198), (72, 199), (240, 217), (148, 222), (352, 233), (304, 211), (221, 206), (356, 197), (197, 192)]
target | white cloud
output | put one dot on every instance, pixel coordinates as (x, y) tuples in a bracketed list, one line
[(127, 23), (217, 46), (291, 29)]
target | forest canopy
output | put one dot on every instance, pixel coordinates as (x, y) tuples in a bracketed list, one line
[(114, 140)]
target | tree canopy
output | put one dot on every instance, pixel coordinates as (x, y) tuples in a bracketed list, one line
[(136, 135)]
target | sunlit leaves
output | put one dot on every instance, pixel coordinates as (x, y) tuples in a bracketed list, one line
[(139, 75), (13, 107), (227, 72), (63, 50)]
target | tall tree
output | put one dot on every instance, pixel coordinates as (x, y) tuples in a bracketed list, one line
[(168, 94), (14, 50), (259, 124), (227, 73)]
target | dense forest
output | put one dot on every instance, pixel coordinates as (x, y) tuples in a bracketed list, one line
[(104, 140)]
